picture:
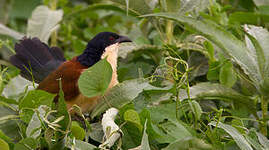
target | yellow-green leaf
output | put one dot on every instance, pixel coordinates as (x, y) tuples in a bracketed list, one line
[(95, 80)]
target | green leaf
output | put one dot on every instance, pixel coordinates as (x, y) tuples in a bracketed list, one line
[(7, 100), (263, 140), (4, 30), (4, 137), (10, 129), (145, 140), (210, 49), (35, 98), (257, 43), (197, 110), (62, 110), (239, 138), (217, 91), (227, 75), (248, 18), (254, 143), (132, 116), (191, 6), (127, 48), (77, 131), (16, 86), (22, 9), (171, 5), (80, 145), (213, 71), (261, 2), (100, 6), (95, 80), (132, 136), (79, 46), (145, 115), (48, 136), (138, 6), (188, 143), (122, 94), (264, 9), (26, 143), (43, 22), (34, 127), (173, 130), (165, 125), (232, 46), (3, 145)]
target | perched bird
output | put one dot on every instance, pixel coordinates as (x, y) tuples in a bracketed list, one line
[(46, 65)]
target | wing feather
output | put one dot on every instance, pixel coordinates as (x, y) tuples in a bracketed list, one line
[(68, 73)]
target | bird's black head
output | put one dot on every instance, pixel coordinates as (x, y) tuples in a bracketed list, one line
[(105, 39), (97, 46)]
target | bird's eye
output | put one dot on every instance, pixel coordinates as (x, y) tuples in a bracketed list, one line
[(111, 38)]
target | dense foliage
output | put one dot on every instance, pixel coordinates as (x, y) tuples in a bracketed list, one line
[(195, 77)]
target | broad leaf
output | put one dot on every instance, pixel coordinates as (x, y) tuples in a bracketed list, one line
[(34, 127), (259, 47), (138, 6), (35, 98), (95, 80), (217, 91), (237, 136), (126, 48), (78, 132), (43, 22), (171, 5), (261, 2), (223, 39), (196, 108), (188, 143), (62, 111), (26, 144), (227, 75), (255, 144), (193, 6), (122, 94), (8, 101), (213, 71), (3, 145), (22, 9), (248, 18), (145, 140), (17, 86), (173, 130), (80, 145), (263, 140), (133, 117), (100, 6), (10, 32), (165, 124)]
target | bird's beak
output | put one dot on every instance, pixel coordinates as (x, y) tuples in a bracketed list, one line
[(122, 39)]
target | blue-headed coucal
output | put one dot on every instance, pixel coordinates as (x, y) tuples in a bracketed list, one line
[(46, 65)]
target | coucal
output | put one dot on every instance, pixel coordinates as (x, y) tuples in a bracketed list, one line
[(46, 65)]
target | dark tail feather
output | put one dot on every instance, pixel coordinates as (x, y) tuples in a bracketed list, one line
[(35, 59)]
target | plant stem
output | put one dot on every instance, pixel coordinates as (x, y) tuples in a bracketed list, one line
[(53, 6), (263, 125), (169, 31)]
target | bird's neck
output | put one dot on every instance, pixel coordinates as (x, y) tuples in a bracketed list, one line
[(111, 53), (89, 57)]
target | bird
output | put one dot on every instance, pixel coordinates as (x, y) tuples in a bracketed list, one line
[(46, 65)]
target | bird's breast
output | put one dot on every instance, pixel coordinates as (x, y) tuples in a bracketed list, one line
[(88, 103)]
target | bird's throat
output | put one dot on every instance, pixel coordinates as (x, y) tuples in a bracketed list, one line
[(111, 53), (88, 103)]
